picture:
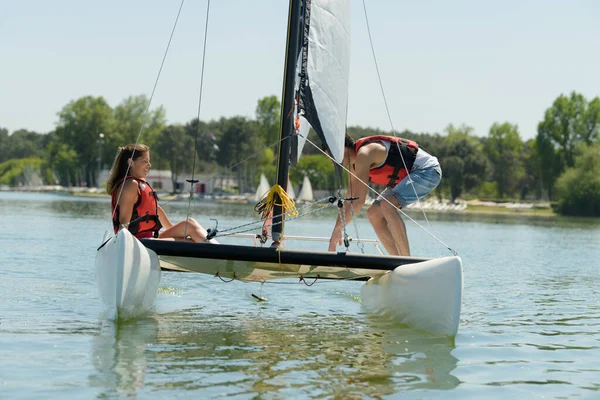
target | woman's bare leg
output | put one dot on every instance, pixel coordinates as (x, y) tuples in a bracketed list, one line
[(193, 229)]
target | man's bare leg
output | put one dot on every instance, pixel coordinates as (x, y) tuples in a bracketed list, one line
[(395, 225), (380, 225)]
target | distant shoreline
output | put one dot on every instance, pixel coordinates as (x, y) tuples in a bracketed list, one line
[(476, 208)]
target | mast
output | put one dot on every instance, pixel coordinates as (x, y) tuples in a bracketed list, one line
[(287, 115)]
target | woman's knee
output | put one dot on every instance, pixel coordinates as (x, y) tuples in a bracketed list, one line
[(193, 222)]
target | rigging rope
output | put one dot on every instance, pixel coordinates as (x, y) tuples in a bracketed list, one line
[(232, 166), (193, 181), (146, 112), (387, 109), (236, 229)]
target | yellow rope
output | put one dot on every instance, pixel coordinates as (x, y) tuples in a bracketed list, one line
[(266, 205)]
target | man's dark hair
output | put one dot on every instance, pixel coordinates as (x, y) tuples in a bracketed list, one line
[(349, 141)]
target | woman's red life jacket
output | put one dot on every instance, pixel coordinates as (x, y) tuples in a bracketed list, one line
[(144, 220), (393, 170)]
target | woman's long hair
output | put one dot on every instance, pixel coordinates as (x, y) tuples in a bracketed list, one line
[(119, 167)]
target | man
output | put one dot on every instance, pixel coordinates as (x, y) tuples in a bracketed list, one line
[(408, 172)]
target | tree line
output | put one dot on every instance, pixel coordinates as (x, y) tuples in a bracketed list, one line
[(560, 164)]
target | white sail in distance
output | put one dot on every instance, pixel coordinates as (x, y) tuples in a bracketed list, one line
[(306, 193), (263, 188)]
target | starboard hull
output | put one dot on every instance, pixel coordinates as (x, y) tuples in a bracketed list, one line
[(424, 296), (127, 274), (422, 293)]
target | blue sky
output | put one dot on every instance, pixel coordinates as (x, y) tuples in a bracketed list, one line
[(442, 62)]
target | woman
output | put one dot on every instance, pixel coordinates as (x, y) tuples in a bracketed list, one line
[(135, 206)]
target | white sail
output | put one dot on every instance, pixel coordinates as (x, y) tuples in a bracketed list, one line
[(263, 188), (290, 190), (306, 193), (325, 70)]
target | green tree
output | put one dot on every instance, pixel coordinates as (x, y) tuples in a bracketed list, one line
[(239, 143), (177, 149), (3, 145), (130, 117), (63, 161), (21, 171), (531, 181), (591, 122), (80, 123), (319, 169), (267, 116), (578, 188), (23, 143), (464, 164), (206, 137), (503, 148), (569, 122)]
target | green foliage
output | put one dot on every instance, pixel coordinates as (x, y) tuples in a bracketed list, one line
[(239, 144), (80, 124), (499, 165), (319, 169), (237, 141), (267, 157), (172, 148), (569, 122), (206, 136), (21, 144), (503, 148), (131, 120), (4, 144), (531, 181), (62, 159), (487, 190), (19, 171), (464, 164), (578, 188), (267, 116)]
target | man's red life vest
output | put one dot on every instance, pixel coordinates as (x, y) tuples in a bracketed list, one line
[(144, 220), (393, 170)]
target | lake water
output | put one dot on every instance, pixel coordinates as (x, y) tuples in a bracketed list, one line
[(529, 326)]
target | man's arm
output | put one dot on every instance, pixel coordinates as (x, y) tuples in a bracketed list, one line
[(356, 188)]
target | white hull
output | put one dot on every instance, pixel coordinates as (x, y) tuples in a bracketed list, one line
[(425, 296), (127, 274)]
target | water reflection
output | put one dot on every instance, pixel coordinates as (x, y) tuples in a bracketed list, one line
[(119, 355), (321, 355)]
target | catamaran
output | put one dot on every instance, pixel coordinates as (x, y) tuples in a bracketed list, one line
[(423, 293)]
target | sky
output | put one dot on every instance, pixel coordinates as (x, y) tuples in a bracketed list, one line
[(441, 62)]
